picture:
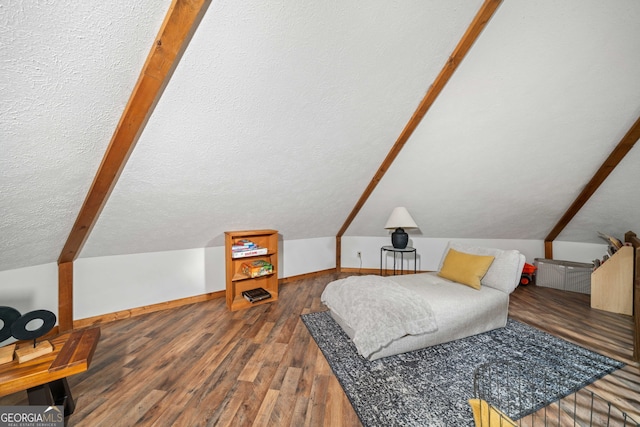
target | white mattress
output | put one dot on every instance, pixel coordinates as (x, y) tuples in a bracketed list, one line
[(460, 311)]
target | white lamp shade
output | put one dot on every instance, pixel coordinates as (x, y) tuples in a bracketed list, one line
[(400, 218)]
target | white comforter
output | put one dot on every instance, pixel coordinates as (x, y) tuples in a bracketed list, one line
[(378, 310)]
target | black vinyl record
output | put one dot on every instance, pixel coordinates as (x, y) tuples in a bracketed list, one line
[(19, 327), (8, 315)]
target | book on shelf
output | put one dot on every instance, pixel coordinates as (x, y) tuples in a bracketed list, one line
[(256, 268), (243, 242), (255, 295), (242, 248), (249, 252), (243, 245)]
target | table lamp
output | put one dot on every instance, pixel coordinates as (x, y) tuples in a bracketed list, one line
[(400, 219)]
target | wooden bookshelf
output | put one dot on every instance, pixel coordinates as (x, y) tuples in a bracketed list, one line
[(237, 281)]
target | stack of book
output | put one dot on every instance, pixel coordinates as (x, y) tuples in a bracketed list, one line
[(243, 248), (255, 295), (256, 268)]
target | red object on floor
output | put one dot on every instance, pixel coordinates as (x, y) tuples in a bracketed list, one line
[(528, 268), (527, 274)]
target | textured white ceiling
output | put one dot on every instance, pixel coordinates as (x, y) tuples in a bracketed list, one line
[(543, 97), (280, 113), (67, 69), (614, 209), (277, 117)]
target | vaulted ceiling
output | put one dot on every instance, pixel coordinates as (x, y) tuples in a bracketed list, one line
[(279, 114)]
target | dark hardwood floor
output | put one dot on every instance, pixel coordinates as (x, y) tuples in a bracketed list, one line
[(201, 365)]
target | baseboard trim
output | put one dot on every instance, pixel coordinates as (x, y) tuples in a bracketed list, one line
[(138, 311), (286, 280), (361, 270), (376, 271)]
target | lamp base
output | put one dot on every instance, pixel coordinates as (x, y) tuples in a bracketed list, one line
[(399, 238)]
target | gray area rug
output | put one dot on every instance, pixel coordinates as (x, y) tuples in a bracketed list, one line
[(431, 387)]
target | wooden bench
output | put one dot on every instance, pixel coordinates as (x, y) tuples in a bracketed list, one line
[(45, 378)]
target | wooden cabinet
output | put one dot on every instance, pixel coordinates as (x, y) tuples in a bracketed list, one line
[(237, 281), (612, 283)]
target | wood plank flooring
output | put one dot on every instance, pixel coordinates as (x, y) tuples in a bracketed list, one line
[(201, 365)]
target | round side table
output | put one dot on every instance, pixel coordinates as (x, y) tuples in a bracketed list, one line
[(396, 251)]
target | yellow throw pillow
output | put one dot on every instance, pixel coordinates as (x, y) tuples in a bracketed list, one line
[(485, 415), (465, 268)]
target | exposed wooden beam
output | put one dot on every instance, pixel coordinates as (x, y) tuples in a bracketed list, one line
[(175, 33), (548, 249), (338, 253), (483, 16), (173, 37), (624, 146), (65, 296)]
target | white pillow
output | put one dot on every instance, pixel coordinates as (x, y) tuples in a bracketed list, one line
[(505, 270)]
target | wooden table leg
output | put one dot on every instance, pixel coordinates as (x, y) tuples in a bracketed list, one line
[(54, 393)]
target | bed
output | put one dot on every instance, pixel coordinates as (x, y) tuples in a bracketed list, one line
[(385, 316)]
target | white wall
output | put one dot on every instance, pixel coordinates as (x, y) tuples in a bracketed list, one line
[(113, 283), (306, 256), (107, 284), (430, 251), (579, 252), (214, 265), (30, 288)]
